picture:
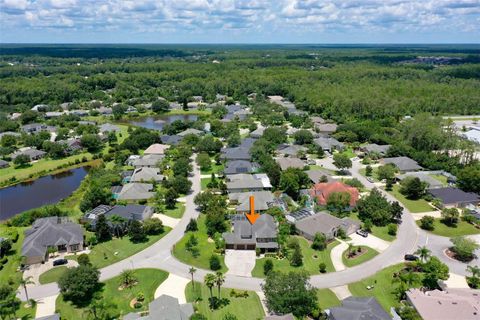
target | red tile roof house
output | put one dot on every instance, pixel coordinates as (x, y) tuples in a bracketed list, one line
[(321, 192)]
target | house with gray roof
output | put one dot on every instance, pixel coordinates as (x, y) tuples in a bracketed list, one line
[(243, 182), (108, 127), (32, 153), (358, 308), (128, 212), (325, 223), (245, 236), (191, 131), (316, 175), (257, 133), (403, 164), (135, 191), (147, 161), (376, 148), (10, 133), (326, 128), (237, 153), (4, 164), (290, 162), (452, 197), (164, 308), (240, 166), (34, 128), (262, 200), (291, 150), (51, 232), (146, 174), (280, 317), (424, 177), (171, 140), (329, 144), (105, 111)]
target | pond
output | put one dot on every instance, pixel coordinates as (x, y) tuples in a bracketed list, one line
[(45, 190), (157, 123)]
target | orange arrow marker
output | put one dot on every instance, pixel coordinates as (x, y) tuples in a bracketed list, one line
[(252, 216)]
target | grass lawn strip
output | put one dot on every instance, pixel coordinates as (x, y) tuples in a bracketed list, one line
[(327, 299), (243, 308), (206, 248), (462, 228), (310, 264), (118, 300), (365, 256), (177, 212), (52, 275), (377, 231), (103, 254)]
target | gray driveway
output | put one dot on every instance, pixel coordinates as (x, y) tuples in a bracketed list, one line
[(240, 262)]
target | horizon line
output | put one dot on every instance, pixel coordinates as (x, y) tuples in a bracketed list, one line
[(246, 43)]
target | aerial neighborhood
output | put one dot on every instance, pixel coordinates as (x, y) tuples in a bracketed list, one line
[(226, 204)]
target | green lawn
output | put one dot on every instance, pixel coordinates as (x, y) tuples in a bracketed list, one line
[(360, 259), (383, 287), (9, 270), (380, 232), (177, 212), (310, 263), (204, 182), (215, 168), (52, 275), (206, 248), (118, 300), (327, 299), (461, 229), (103, 254), (248, 308), (414, 206), (349, 153), (373, 176)]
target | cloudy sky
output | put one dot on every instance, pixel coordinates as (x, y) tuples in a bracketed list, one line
[(238, 21)]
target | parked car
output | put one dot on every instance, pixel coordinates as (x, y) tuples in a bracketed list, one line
[(410, 257), (59, 262), (362, 233)]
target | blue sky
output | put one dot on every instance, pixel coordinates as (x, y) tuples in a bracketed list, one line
[(236, 21)]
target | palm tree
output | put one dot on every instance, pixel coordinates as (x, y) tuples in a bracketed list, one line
[(350, 249), (127, 278), (474, 270), (24, 283), (424, 253), (118, 224), (210, 281), (219, 280), (192, 270)]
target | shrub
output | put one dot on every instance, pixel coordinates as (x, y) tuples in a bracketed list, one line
[(192, 225), (322, 267), (392, 229), (267, 267), (215, 262), (427, 223), (83, 259)]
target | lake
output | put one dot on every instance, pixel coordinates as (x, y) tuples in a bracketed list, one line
[(157, 123), (45, 190)]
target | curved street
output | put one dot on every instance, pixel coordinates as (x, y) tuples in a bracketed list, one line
[(409, 237)]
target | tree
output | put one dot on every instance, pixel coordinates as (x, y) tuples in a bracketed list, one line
[(474, 280), (427, 223), (434, 270), (182, 167), (267, 267), (128, 278), (83, 259), (28, 116), (95, 195), (219, 280), (464, 248), (171, 198), (303, 137), (289, 183), (392, 229), (91, 142), (21, 160), (338, 201), (9, 303), (160, 106), (8, 141), (397, 210), (424, 253), (191, 245), (99, 307), (450, 216), (102, 229), (181, 184), (468, 178), (342, 161), (192, 271), (289, 293), (5, 247), (296, 259), (322, 267), (319, 241), (78, 284), (209, 281), (204, 161), (214, 262), (412, 188), (386, 172), (192, 225), (24, 282), (136, 232), (153, 226), (368, 171), (375, 208)]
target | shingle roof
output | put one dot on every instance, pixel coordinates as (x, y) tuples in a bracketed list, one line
[(239, 166), (136, 191), (328, 143), (248, 181), (292, 150), (131, 212), (146, 174), (190, 131), (451, 195), (148, 160), (321, 222), (238, 153), (381, 149), (156, 148), (403, 163), (172, 140), (108, 127), (359, 308), (243, 232), (263, 200), (165, 308), (286, 163)]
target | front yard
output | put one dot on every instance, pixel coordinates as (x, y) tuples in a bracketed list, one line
[(414, 206), (311, 260), (462, 228), (367, 255), (52, 275)]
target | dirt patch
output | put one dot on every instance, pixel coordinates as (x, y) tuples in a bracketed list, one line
[(452, 255)]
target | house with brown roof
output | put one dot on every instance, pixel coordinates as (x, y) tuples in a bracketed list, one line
[(321, 191)]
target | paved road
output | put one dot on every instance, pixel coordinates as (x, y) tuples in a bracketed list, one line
[(409, 237)]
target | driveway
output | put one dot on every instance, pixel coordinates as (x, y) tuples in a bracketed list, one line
[(336, 255), (173, 286), (371, 241), (34, 271), (46, 306), (240, 262), (166, 220)]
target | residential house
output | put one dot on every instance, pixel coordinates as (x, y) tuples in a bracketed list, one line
[(54, 114), (4, 164), (376, 149), (197, 98), (54, 316), (290, 162), (108, 127), (40, 107), (257, 133), (191, 131), (220, 97), (80, 113), (147, 161), (146, 174), (15, 116), (52, 232), (262, 200), (247, 182), (317, 120), (282, 317), (261, 235), (325, 223), (171, 140), (316, 175), (358, 308), (237, 153), (134, 191), (128, 212), (322, 191), (424, 177), (446, 305), (105, 111), (71, 145), (403, 164), (452, 197), (326, 128), (87, 122), (156, 148), (131, 109), (164, 308), (32, 153), (34, 128), (329, 144), (291, 150), (240, 166), (10, 133)]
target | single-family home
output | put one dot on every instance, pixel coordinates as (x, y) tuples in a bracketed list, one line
[(10, 133), (240, 166), (316, 120), (71, 145), (147, 161), (54, 316), (237, 153), (53, 114), (128, 212), (326, 128), (446, 305), (291, 150), (108, 127), (146, 174), (257, 133), (322, 191), (358, 308), (247, 182), (472, 135), (191, 131), (452, 197), (424, 177), (156, 148), (403, 164), (134, 191), (329, 144), (32, 153), (262, 200), (34, 128), (105, 111), (80, 113), (288, 316), (374, 148), (171, 140), (245, 236), (164, 308), (316, 175), (51, 232), (290, 162), (325, 223)]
